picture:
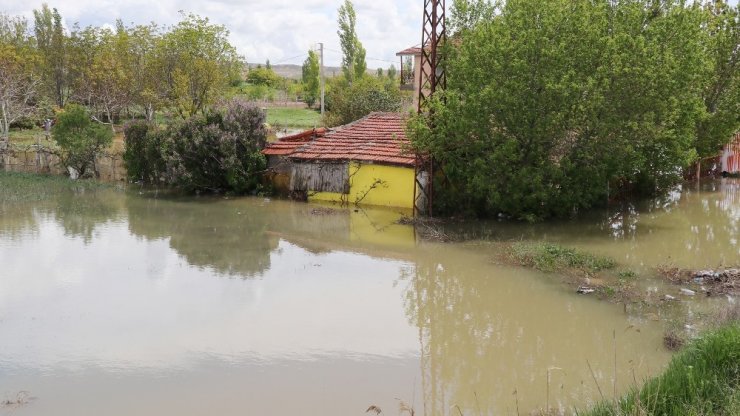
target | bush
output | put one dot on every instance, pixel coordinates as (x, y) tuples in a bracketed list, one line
[(216, 152), (79, 139), (143, 152), (346, 103)]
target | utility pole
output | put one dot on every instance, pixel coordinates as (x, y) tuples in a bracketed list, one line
[(321, 48), (432, 78)]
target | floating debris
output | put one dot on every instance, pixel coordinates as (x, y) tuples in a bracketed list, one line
[(711, 282), (323, 211), (585, 290)]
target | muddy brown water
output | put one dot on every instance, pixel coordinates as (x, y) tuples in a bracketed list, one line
[(122, 303)]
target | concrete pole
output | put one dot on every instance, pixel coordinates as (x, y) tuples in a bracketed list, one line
[(321, 46)]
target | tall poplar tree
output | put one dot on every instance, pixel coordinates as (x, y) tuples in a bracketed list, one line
[(311, 82), (353, 53), (51, 43)]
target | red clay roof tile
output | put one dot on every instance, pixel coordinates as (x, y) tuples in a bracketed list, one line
[(377, 138)]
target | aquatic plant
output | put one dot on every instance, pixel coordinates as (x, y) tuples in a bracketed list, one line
[(22, 187), (704, 379), (548, 257)]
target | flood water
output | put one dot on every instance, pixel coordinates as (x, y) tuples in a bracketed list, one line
[(122, 303)]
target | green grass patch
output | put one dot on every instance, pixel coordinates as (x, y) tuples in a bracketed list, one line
[(548, 257), (704, 379), (27, 137), (293, 117), (24, 187)]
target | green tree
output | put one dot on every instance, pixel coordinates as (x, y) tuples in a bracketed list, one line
[(51, 42), (353, 53), (556, 106), (80, 139), (347, 102), (311, 81), (13, 30), (392, 72), (263, 76), (147, 83), (102, 76), (198, 63), (19, 83), (721, 94), (466, 14), (18, 87)]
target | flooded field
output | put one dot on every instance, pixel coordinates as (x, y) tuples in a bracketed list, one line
[(122, 303)]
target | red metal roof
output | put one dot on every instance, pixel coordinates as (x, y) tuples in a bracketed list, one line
[(377, 138)]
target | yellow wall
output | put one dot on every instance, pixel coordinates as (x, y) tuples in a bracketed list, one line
[(370, 184)]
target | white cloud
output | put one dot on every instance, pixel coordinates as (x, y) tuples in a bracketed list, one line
[(279, 30)]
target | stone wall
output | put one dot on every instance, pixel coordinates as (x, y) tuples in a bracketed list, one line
[(43, 161)]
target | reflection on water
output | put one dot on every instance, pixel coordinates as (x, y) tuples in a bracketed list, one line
[(489, 332), (689, 227), (114, 303)]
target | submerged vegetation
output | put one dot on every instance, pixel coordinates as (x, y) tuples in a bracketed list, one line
[(703, 379), (585, 272), (25, 187), (548, 257)]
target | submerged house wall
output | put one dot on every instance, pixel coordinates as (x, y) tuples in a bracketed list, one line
[(367, 184), (320, 177)]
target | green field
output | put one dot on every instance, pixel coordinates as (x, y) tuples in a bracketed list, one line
[(293, 117)]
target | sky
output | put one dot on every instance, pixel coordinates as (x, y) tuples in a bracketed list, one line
[(279, 30)]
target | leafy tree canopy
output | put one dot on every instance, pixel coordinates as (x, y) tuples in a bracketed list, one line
[(556, 106)]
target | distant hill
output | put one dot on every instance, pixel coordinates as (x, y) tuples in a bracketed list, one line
[(296, 72)]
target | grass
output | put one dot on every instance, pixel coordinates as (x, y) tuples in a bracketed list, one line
[(702, 380), (27, 137), (548, 257), (293, 117), (24, 187)]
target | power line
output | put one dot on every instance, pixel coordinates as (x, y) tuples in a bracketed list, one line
[(288, 59), (368, 58)]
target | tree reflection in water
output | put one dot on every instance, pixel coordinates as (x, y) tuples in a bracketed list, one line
[(487, 330), (227, 236)]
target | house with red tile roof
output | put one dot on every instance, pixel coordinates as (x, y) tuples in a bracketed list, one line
[(365, 162), (278, 165)]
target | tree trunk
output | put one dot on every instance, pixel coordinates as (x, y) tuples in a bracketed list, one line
[(698, 171), (4, 123)]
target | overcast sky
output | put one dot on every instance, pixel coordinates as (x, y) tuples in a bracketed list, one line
[(279, 30)]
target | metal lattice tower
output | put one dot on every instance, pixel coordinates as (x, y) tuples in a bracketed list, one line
[(433, 78), (432, 39)]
